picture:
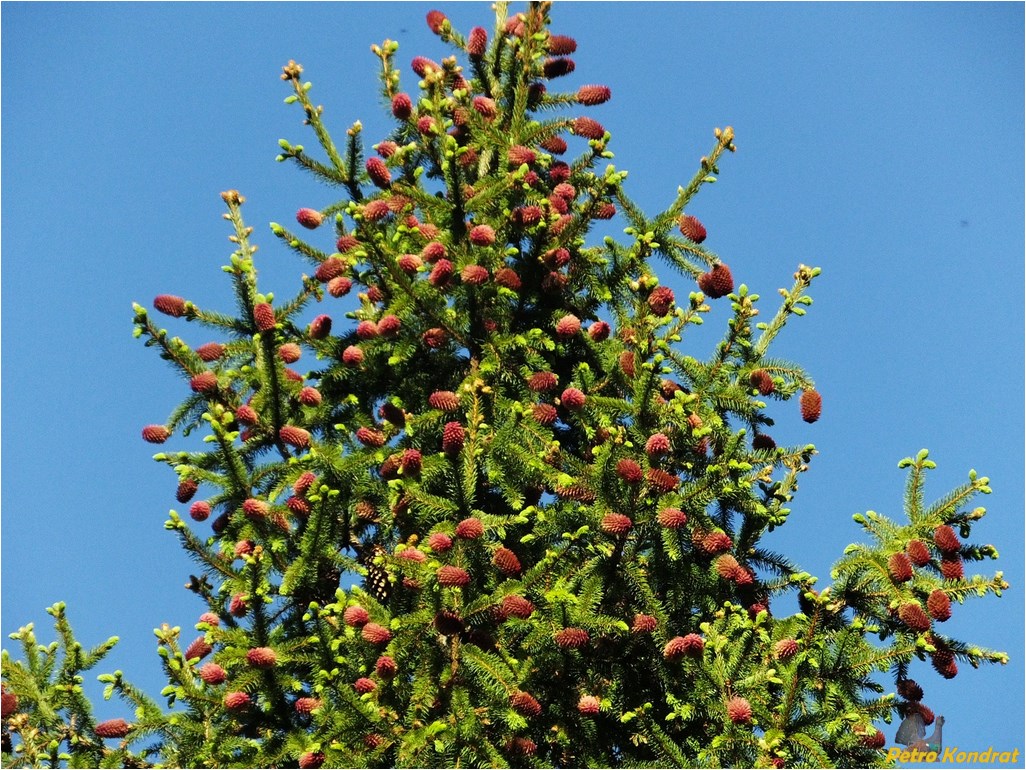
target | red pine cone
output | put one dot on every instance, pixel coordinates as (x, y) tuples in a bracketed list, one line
[(939, 605), (330, 268), (811, 404), (113, 728), (255, 509), (561, 45), (290, 352), (691, 645), (557, 67), (311, 760), (211, 673), (918, 553), (246, 415), (435, 19), (364, 685), (306, 705), (506, 562), (238, 606), (598, 331), (411, 461), (369, 437), (445, 400), (951, 568), (200, 510), (376, 634), (431, 253), (439, 542), (588, 705), (661, 300), (572, 638), (236, 701), (412, 554), (475, 275), (691, 228), (629, 471), (482, 235), (311, 219), (440, 273), (657, 445), (568, 326), (199, 648), (517, 607), (604, 211), (204, 382), (211, 351), (508, 278), (572, 398), (739, 711), (874, 740), (422, 65), (718, 282), (298, 506), (295, 437), (627, 363), (540, 382), (376, 210), (378, 172), (785, 649), (477, 41), (560, 171), (261, 657), (525, 216), (186, 489), (909, 689), (470, 529), (453, 438), (386, 667), (453, 577), (263, 316), (8, 703), (912, 615), (544, 414), (762, 441), (485, 107), (155, 434), (644, 624), (366, 330), (346, 243), (555, 144), (386, 149), (525, 704), (339, 286), (308, 396), (926, 713), (716, 542), (588, 128), (304, 482), (352, 356), (900, 568), (592, 95), (661, 481), (320, 327), (518, 155), (672, 518), (761, 380), (616, 523), (946, 540), (726, 566), (355, 616), (169, 304), (943, 662)]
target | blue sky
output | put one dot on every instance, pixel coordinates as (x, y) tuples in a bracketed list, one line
[(881, 142)]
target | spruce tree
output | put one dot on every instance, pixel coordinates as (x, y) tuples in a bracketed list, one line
[(488, 507)]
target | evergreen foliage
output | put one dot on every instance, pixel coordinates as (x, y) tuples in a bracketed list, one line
[(501, 514)]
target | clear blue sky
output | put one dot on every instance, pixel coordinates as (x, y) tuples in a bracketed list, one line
[(882, 142)]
